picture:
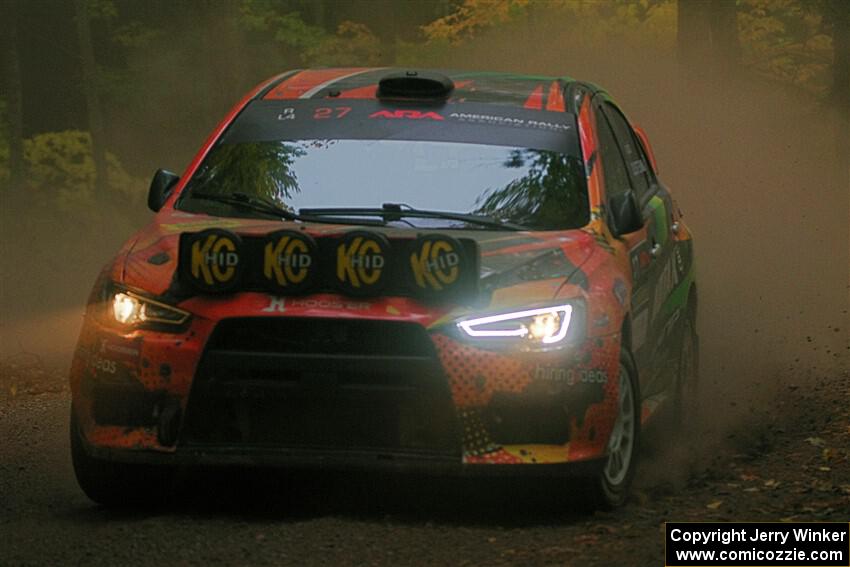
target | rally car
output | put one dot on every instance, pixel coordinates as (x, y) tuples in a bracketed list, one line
[(457, 272)]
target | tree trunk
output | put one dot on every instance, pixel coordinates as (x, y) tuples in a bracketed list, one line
[(693, 39), (93, 108), (841, 93), (14, 114), (319, 14), (841, 53), (726, 46)]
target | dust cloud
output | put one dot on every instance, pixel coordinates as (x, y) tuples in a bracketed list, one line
[(753, 166)]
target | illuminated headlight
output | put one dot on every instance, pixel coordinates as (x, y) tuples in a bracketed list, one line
[(541, 326), (130, 309)]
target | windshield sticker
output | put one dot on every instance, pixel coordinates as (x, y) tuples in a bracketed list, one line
[(507, 121), (474, 123), (409, 114), (637, 167), (287, 114)]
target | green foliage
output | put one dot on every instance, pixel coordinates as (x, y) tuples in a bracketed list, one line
[(4, 146), (265, 167), (472, 16), (287, 28), (102, 10), (786, 40), (412, 54), (549, 195), (589, 18), (135, 35), (60, 175), (639, 22), (352, 43)]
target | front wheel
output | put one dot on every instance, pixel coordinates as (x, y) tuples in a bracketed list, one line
[(117, 484), (611, 487)]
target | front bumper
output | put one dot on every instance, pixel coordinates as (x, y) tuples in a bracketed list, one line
[(440, 404), (337, 460)]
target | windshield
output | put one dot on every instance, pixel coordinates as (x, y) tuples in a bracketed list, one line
[(509, 168), (538, 189)]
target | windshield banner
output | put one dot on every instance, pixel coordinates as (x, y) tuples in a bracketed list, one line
[(474, 123)]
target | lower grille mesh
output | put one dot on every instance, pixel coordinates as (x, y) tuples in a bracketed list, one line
[(321, 384)]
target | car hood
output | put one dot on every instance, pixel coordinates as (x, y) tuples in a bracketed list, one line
[(516, 268)]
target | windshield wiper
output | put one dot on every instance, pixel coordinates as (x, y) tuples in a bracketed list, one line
[(249, 202), (245, 201), (397, 211)]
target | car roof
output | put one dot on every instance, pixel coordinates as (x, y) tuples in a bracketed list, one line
[(529, 91)]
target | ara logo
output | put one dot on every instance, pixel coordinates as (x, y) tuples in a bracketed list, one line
[(289, 260), (361, 258), (214, 259), (409, 114), (435, 263)]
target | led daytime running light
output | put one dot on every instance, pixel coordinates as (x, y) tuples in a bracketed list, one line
[(560, 313)]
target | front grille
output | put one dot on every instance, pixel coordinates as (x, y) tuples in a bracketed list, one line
[(309, 335), (321, 383)]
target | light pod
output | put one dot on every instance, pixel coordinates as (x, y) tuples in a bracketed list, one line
[(212, 260), (290, 262)]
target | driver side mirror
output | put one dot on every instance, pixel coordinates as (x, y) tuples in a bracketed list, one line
[(161, 186), (625, 213)]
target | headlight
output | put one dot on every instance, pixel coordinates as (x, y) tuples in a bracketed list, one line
[(130, 309), (543, 326)]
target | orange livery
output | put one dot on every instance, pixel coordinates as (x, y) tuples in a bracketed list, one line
[(459, 272)]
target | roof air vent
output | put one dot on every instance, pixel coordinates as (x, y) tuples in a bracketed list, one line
[(415, 85)]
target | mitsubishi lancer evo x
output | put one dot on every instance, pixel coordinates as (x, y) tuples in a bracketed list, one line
[(457, 272)]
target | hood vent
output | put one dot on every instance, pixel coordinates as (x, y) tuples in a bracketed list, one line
[(415, 85)]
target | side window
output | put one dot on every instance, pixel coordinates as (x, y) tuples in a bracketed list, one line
[(632, 152), (616, 176)]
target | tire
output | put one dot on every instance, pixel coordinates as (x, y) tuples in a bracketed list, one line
[(686, 404), (610, 488), (115, 484)]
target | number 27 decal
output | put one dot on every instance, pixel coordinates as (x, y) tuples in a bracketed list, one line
[(324, 112)]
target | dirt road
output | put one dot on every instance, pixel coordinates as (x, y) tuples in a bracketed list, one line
[(790, 459)]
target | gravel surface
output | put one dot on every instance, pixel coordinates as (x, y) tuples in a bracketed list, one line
[(788, 461)]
